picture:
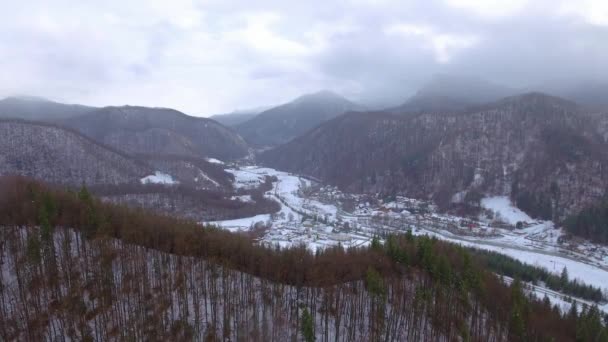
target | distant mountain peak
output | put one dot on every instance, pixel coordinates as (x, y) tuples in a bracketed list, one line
[(322, 95), (539, 98), (287, 121), (27, 98), (453, 93)]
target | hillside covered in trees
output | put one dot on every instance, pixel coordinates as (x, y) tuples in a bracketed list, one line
[(60, 155), (591, 223), (159, 132), (548, 154), (78, 268)]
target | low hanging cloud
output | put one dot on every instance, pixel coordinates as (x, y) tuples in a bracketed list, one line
[(212, 56)]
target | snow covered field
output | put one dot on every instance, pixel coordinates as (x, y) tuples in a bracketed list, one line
[(158, 178), (214, 161), (304, 219), (503, 206)]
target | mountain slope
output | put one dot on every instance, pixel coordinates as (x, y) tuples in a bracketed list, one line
[(283, 123), (39, 109), (544, 152), (59, 155), (159, 131)]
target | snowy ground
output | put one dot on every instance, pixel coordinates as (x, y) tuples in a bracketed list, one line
[(290, 225), (214, 161), (503, 206), (158, 178), (247, 178), (242, 223), (304, 219)]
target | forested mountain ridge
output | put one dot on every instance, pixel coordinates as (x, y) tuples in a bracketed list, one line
[(127, 274), (59, 155), (159, 131), (39, 109), (547, 153), (285, 122)]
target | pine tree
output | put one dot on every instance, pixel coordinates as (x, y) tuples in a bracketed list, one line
[(308, 327), (564, 278), (517, 328)]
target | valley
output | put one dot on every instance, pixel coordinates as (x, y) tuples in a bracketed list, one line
[(315, 216)]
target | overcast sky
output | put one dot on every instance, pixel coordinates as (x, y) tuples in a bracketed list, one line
[(205, 57)]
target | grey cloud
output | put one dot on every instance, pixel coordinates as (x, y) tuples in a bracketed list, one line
[(202, 57)]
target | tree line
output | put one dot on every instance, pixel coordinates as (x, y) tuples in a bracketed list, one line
[(187, 202)]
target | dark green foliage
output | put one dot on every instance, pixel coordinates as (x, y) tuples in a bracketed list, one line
[(564, 278), (473, 197), (308, 326), (537, 205), (33, 250), (590, 327), (91, 218), (374, 283), (517, 328), (590, 223), (376, 245)]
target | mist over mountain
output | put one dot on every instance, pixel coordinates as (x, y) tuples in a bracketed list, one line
[(592, 94), (285, 122), (233, 119), (449, 93), (238, 116)]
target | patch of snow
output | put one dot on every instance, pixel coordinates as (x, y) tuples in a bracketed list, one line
[(242, 223), (159, 178), (242, 198), (246, 179), (214, 161), (508, 212), (459, 197), (205, 177)]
